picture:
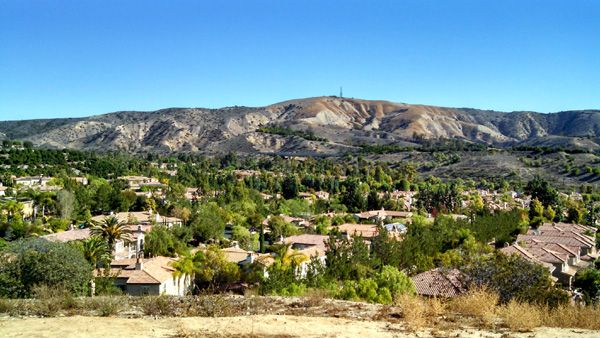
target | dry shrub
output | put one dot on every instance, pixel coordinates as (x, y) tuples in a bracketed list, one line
[(157, 306), (51, 300), (574, 316), (218, 305), (5, 306), (414, 311), (480, 303), (522, 316), (315, 297), (107, 306), (435, 307)]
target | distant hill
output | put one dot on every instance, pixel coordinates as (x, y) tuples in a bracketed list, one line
[(338, 124)]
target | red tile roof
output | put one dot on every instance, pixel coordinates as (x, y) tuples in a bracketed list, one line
[(439, 283)]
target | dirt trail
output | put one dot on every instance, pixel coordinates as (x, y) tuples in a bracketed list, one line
[(242, 326)]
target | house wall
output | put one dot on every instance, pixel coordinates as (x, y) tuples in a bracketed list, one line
[(172, 287), (143, 289)]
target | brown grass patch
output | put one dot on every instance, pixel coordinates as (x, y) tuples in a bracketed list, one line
[(574, 316), (522, 316), (479, 303), (414, 311)]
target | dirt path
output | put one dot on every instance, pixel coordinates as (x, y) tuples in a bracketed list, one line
[(243, 326)]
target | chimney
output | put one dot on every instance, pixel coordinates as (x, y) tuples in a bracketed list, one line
[(139, 262)]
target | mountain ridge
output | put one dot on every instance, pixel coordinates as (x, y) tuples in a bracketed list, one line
[(343, 122)]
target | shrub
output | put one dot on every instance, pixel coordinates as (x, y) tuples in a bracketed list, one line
[(107, 306), (157, 306), (480, 303), (394, 281), (519, 316), (572, 316), (347, 291), (512, 277), (29, 262), (367, 290), (414, 311)]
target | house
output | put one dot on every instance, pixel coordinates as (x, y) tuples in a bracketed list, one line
[(382, 215), (123, 248), (28, 209), (31, 181), (3, 190), (80, 179), (69, 235), (366, 231), (237, 255), (563, 248), (147, 276), (191, 194), (311, 246), (440, 282), (135, 182), (141, 217), (297, 221), (310, 197)]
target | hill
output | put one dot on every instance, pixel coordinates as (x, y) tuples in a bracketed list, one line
[(293, 126)]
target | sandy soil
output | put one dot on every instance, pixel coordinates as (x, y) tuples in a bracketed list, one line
[(242, 326)]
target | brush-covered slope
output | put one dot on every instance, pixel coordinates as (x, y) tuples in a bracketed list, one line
[(342, 122)]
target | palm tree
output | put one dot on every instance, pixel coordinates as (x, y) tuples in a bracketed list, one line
[(186, 268), (288, 256), (94, 250), (111, 230)]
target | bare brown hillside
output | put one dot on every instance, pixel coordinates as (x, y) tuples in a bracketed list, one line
[(342, 122)]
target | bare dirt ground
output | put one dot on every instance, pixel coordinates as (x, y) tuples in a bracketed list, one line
[(242, 326)]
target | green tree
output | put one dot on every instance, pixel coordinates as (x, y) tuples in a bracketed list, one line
[(290, 187), (35, 261), (161, 241), (245, 239), (588, 280), (515, 278), (536, 213), (214, 269), (208, 223), (542, 191)]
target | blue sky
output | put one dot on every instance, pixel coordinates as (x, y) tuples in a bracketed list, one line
[(78, 58)]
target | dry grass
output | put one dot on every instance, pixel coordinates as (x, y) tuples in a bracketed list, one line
[(107, 306), (414, 311), (521, 316), (573, 316), (478, 303), (477, 307)]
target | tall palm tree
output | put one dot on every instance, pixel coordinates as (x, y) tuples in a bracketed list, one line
[(288, 256), (186, 268), (111, 230), (94, 250)]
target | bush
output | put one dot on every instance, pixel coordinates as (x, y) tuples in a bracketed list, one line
[(157, 306), (395, 281), (480, 303), (30, 262), (512, 277), (414, 311), (348, 291), (107, 306), (519, 316)]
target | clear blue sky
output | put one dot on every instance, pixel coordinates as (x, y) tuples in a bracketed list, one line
[(78, 58)]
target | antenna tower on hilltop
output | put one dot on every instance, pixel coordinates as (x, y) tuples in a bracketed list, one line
[(341, 92)]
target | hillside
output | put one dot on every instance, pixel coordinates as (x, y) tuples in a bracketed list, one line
[(339, 123)]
